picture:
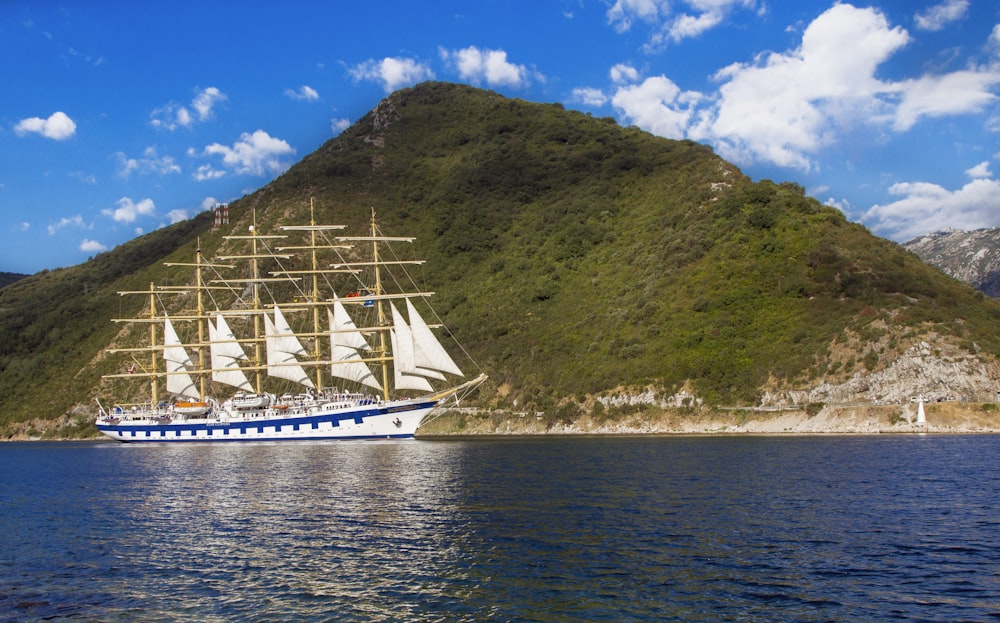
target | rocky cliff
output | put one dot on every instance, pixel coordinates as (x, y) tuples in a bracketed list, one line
[(971, 256)]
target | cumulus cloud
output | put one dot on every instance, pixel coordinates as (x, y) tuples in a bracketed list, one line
[(72, 221), (209, 203), (622, 73), (590, 97), (150, 162), (925, 207), (172, 115), (980, 170), (176, 216), (92, 246), (940, 15), (393, 72), (786, 107), (58, 126), (949, 94), (489, 66), (339, 125), (254, 154), (658, 105), (693, 17), (128, 210), (305, 93), (623, 13)]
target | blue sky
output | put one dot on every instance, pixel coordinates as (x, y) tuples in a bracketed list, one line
[(121, 117)]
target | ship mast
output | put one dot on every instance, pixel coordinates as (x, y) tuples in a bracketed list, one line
[(382, 320), (314, 271), (255, 281)]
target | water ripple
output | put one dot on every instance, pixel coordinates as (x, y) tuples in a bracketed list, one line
[(668, 529)]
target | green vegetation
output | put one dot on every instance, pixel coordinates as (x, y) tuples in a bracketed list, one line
[(571, 256), (8, 278)]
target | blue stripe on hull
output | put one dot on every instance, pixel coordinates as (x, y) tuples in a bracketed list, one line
[(293, 428)]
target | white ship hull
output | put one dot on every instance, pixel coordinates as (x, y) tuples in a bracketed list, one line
[(388, 420)]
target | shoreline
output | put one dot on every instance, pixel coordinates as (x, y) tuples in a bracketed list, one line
[(944, 418)]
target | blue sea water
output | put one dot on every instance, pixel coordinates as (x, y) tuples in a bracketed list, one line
[(875, 528)]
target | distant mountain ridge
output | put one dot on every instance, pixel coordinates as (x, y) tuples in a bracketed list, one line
[(589, 268), (8, 278), (971, 256)]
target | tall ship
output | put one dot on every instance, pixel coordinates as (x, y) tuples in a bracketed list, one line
[(361, 364)]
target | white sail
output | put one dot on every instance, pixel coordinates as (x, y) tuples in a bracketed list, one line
[(345, 341), (226, 354), (282, 348), (178, 361), (428, 351), (406, 373)]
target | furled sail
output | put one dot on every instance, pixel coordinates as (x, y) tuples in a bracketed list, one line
[(282, 348), (429, 354), (226, 354), (345, 343), (178, 361), (406, 374)]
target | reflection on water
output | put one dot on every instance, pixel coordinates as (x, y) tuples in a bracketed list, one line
[(674, 529), (362, 527)]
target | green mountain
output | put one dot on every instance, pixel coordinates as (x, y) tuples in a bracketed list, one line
[(574, 259), (8, 278)]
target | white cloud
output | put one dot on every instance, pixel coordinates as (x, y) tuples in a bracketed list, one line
[(207, 172), (58, 126), (305, 93), (939, 16), (783, 108), (689, 26), (393, 73), (955, 93), (339, 125), (25, 226), (73, 221), (254, 154), (171, 116), (980, 170), (128, 211), (209, 203), (926, 207), (693, 18), (489, 66), (786, 107), (205, 101), (622, 14), (590, 97), (622, 73), (176, 216), (150, 162), (92, 246), (658, 105)]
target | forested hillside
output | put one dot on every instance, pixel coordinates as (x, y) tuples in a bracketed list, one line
[(574, 258)]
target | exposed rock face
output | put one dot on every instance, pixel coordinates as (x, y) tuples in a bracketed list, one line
[(922, 371), (971, 256)]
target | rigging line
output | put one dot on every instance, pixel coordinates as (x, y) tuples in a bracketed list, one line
[(436, 318)]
